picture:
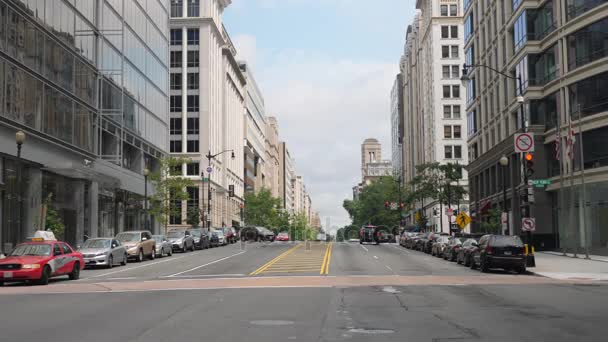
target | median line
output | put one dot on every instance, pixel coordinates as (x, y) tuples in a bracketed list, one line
[(326, 259), (271, 262)]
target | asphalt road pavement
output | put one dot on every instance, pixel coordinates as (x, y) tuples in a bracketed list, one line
[(294, 292)]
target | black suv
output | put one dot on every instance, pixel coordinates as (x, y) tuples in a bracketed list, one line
[(499, 251)]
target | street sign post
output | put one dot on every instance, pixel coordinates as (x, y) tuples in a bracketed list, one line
[(463, 220), (524, 142), (528, 224), (449, 211)]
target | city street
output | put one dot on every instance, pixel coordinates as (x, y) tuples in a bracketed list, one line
[(293, 291)]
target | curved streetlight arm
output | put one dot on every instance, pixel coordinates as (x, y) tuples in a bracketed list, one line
[(212, 156), (465, 67)]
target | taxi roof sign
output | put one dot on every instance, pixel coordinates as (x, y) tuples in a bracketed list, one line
[(37, 239), (45, 235)]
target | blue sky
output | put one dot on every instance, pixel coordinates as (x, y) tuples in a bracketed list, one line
[(326, 68)]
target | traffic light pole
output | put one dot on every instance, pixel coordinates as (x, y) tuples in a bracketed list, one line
[(530, 261)]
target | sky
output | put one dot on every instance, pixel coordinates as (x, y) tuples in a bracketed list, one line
[(326, 69)]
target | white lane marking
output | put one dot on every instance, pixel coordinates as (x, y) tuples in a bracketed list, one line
[(137, 267), (207, 264), (375, 257), (207, 275), (402, 249), (125, 278), (367, 250)]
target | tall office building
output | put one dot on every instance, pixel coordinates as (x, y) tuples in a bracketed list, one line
[(207, 104), (287, 178), (272, 161), (397, 117), (558, 50), (87, 83), (434, 97)]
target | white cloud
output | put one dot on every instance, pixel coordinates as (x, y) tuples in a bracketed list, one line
[(326, 107)]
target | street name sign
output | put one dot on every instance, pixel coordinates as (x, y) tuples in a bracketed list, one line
[(524, 142)]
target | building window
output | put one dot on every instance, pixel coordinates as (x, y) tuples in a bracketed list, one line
[(578, 7), (471, 123), (448, 152), (176, 126), (193, 197), (445, 32), (457, 132), (453, 10), (520, 31), (193, 80), (469, 58), (176, 59), (447, 112), (471, 90), (193, 126), (468, 27), (176, 36), (177, 8), (453, 31), (456, 91), (447, 132), (193, 169), (455, 71), (454, 49), (193, 146), (444, 10), (456, 112), (193, 37), (175, 104), (457, 151), (588, 44), (445, 51), (176, 81), (194, 8), (445, 71), (193, 59), (193, 105), (446, 92), (590, 94), (175, 146)]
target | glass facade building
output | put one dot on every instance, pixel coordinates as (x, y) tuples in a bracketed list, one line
[(86, 80)]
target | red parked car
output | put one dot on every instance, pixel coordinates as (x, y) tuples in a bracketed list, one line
[(40, 260), (282, 237)]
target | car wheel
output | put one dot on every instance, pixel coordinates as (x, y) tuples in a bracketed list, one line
[(140, 256), (521, 269), (75, 274), (124, 259), (472, 263), (1, 283), (153, 254), (184, 249), (110, 262), (192, 248), (483, 265), (171, 252), (46, 275), (445, 256), (458, 259)]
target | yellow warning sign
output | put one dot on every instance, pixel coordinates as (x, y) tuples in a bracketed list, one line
[(463, 219)]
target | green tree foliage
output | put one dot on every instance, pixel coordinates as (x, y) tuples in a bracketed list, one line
[(193, 217), (369, 207), (53, 221), (169, 189), (263, 210), (491, 224)]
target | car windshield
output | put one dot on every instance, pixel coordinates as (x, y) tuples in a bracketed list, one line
[(97, 243), (128, 237), (196, 233), (507, 241), (176, 234), (32, 249)]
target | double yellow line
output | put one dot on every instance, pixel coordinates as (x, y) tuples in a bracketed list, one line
[(327, 259), (273, 261)]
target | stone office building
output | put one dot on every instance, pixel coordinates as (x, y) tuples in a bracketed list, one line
[(86, 81)]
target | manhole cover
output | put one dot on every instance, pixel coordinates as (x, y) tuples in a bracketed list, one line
[(271, 322), (371, 331)]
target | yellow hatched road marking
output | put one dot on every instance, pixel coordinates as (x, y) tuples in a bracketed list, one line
[(312, 259), (279, 257)]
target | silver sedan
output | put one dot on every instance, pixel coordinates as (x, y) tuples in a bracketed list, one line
[(103, 252), (163, 246)]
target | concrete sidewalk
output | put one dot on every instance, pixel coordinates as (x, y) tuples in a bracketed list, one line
[(555, 265)]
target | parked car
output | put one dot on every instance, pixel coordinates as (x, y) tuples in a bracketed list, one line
[(230, 234), (452, 248), (266, 234), (139, 244), (428, 246), (181, 240), (465, 251), (222, 241), (421, 242), (411, 241), (105, 252), (283, 236), (40, 260), (499, 251), (214, 239), (440, 245), (163, 246), (200, 237)]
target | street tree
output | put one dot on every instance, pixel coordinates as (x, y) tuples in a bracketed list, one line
[(170, 189), (370, 208), (193, 216), (261, 209)]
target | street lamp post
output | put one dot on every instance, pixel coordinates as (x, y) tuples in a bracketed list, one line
[(209, 158), (19, 139), (146, 174), (524, 127), (504, 162)]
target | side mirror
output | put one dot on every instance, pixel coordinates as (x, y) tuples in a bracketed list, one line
[(144, 238), (114, 245)]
